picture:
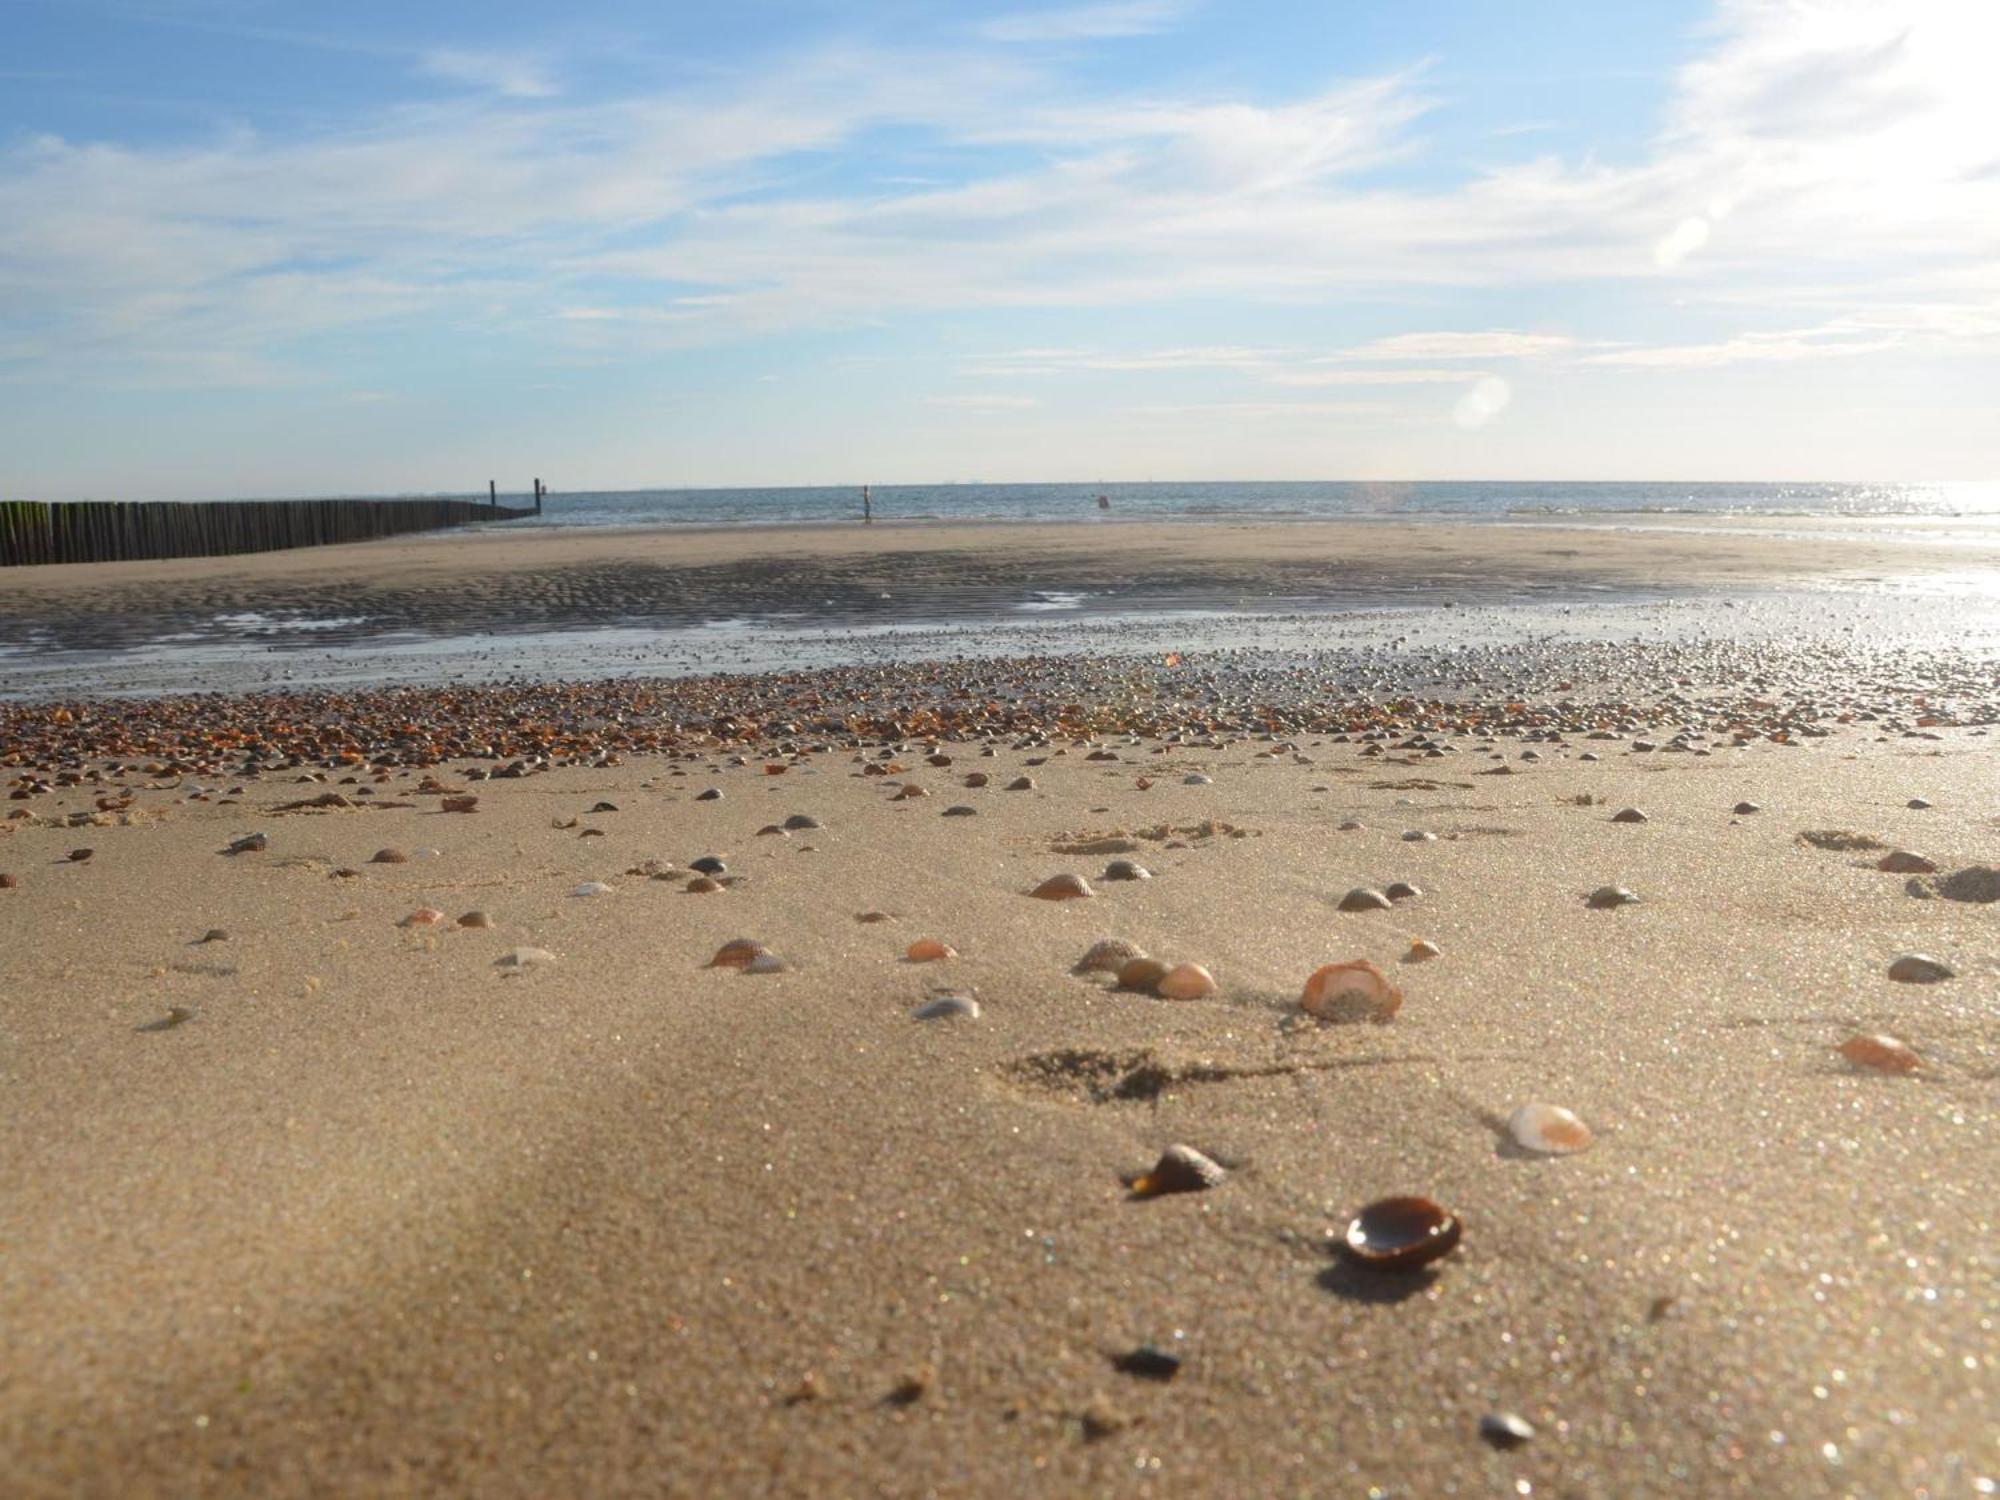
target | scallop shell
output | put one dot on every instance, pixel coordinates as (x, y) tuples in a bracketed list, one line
[(423, 916), (1063, 887), (1362, 898), (1107, 956), (1549, 1129), (1400, 1234), (929, 950), (736, 954), (1185, 982), (1180, 1169), (1141, 974), (1885, 1054), (389, 857), (1351, 991)]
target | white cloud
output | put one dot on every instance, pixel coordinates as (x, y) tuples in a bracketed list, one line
[(1484, 401), (1678, 243), (1833, 342), (1367, 377), (984, 402), (1085, 23), (511, 74), (1492, 343)]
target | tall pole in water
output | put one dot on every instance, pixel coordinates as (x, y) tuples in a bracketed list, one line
[(538, 496)]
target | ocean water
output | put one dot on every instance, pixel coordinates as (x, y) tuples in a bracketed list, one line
[(1220, 501)]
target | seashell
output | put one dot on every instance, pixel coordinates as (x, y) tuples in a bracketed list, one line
[(1147, 1363), (1185, 982), (389, 857), (960, 810), (592, 888), (713, 794), (1141, 974), (1402, 890), (1125, 869), (929, 950), (948, 1008), (1903, 862), (524, 958), (1917, 968), (1361, 898), (1421, 949), (800, 821), (939, 759), (1629, 815), (1144, 783), (1352, 826), (425, 854), (1549, 1129), (1063, 887), (736, 954), (1400, 1234), (1605, 897), (1180, 1169), (1107, 956), (475, 919), (910, 793), (1503, 1429), (975, 779), (1351, 991), (463, 804), (1021, 784), (1419, 836), (176, 1014), (604, 807), (770, 830), (423, 916), (1744, 809), (1195, 778), (79, 856), (708, 864), (9, 882), (1885, 1054), (213, 935), (250, 843), (1917, 804), (873, 916), (765, 963)]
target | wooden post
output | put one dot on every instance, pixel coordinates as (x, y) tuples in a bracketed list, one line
[(538, 495)]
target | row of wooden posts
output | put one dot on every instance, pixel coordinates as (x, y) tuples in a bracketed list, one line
[(38, 531)]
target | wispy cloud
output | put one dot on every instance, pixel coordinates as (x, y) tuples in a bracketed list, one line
[(514, 75), (1085, 22), (984, 402), (1834, 342)]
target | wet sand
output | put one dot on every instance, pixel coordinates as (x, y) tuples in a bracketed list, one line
[(381, 1217)]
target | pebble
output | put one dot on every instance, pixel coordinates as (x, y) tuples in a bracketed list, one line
[(1744, 809), (1419, 836), (1147, 1362), (1195, 778), (1021, 784), (1979, 883), (250, 843), (475, 919), (1917, 804), (1352, 826), (1917, 968), (960, 810), (1903, 862), (713, 794)]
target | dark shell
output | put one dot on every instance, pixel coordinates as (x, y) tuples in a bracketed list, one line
[(1021, 784), (1744, 809), (1916, 968), (1147, 1363), (1503, 1429), (1402, 890), (1606, 897), (1125, 869), (1142, 974), (713, 794), (1629, 815), (389, 857), (798, 821), (1180, 1169), (1905, 862), (960, 810), (1399, 1234), (708, 864)]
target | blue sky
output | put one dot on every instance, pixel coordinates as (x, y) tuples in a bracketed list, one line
[(252, 247)]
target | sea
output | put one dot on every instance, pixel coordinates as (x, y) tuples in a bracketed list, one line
[(1261, 500)]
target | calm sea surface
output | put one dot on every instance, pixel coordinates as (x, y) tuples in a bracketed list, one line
[(1226, 501)]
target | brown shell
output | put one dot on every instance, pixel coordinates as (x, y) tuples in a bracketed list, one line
[(1351, 991), (1885, 1054), (1064, 887), (389, 857), (1142, 974), (1361, 898), (423, 916), (1108, 956), (1180, 1169), (929, 950), (1400, 1234), (737, 953), (1185, 982)]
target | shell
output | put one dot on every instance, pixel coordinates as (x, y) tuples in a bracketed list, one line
[(975, 779), (1195, 778), (910, 792), (772, 830), (388, 857), (1903, 862), (708, 864), (873, 916), (1180, 1169), (1503, 1429), (1419, 836), (250, 843), (1107, 956), (1352, 825), (592, 888), (1351, 991), (524, 958), (765, 963), (1606, 897), (960, 810), (1063, 887), (1185, 982), (1918, 968), (800, 821), (948, 1008), (1400, 1234), (475, 919), (1744, 809), (713, 794), (1021, 784), (1420, 950), (423, 916), (736, 953), (1885, 1054), (1980, 883), (1549, 1129), (465, 804), (1125, 869), (929, 950), (1629, 815), (1402, 890), (1362, 898), (1142, 974), (701, 885)]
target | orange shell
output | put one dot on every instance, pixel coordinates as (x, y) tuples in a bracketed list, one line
[(1063, 888), (927, 950), (423, 916), (1185, 982), (737, 953), (1351, 991), (1885, 1054)]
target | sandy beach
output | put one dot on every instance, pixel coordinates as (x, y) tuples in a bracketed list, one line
[(327, 1204)]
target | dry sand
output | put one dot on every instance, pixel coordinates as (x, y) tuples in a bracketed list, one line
[(382, 1219)]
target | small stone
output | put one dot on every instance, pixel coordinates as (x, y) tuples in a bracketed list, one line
[(1917, 968), (1419, 836), (1352, 826), (1978, 883), (960, 810), (1903, 862), (1503, 1429), (1605, 897), (1125, 869), (464, 804), (250, 843), (1147, 1362), (79, 856), (975, 779), (1917, 804), (713, 794), (1629, 815), (1195, 778), (9, 882), (1021, 784)]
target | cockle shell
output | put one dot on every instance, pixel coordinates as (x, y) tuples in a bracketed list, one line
[(1125, 869), (929, 950), (1185, 982), (1107, 956), (1400, 1234), (1063, 887), (423, 916), (1917, 968), (1402, 890), (1180, 1169), (1420, 950), (1605, 897), (948, 1008), (1549, 1129), (389, 857), (1021, 784), (975, 779), (1362, 898), (1351, 991), (1141, 974), (1885, 1054), (1629, 815), (736, 954), (475, 919)]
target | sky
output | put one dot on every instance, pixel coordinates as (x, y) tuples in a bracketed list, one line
[(264, 247)]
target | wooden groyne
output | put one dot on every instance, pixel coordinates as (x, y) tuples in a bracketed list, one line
[(38, 531)]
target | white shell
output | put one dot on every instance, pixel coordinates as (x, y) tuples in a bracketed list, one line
[(1548, 1129), (524, 958), (592, 888)]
